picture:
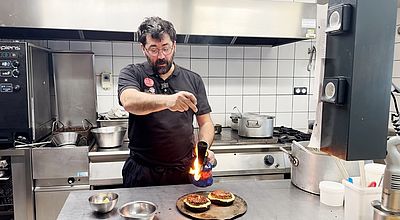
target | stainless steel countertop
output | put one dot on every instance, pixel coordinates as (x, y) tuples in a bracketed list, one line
[(266, 199)]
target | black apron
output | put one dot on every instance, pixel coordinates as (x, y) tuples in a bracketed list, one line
[(138, 172)]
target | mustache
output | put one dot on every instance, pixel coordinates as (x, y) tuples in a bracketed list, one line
[(161, 62)]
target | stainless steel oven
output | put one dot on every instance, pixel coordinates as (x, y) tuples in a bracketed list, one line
[(16, 184), (56, 172), (25, 93)]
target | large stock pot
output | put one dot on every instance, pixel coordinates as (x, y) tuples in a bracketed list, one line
[(311, 166)]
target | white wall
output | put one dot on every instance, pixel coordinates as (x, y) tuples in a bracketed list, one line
[(254, 78)]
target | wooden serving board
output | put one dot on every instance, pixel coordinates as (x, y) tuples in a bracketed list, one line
[(238, 208)]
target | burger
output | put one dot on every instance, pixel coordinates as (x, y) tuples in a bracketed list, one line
[(197, 203), (221, 197)]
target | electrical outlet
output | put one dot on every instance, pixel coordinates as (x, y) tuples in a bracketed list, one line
[(106, 80), (300, 91)]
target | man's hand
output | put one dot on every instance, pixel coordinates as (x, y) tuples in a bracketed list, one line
[(211, 158), (182, 101)]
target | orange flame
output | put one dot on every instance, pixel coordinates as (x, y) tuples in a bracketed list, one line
[(195, 170)]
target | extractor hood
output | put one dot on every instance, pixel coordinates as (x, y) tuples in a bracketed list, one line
[(235, 22)]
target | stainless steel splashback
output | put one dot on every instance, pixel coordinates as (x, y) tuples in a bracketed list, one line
[(244, 18), (75, 87)]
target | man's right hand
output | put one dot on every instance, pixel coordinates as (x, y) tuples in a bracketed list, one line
[(182, 101)]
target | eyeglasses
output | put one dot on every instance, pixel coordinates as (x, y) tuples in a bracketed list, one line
[(153, 51)]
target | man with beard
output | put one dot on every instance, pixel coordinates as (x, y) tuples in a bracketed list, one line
[(162, 98)]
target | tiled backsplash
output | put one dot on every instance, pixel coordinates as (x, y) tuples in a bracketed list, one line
[(253, 78)]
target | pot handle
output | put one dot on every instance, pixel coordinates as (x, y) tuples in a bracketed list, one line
[(237, 109), (89, 124), (294, 160), (252, 124), (56, 125)]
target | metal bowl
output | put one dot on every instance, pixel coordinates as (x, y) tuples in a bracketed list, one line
[(107, 137), (138, 210), (65, 138), (103, 202)]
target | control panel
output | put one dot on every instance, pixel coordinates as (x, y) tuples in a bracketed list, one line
[(11, 57), (13, 92)]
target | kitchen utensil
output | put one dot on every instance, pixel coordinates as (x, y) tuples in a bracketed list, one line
[(65, 138), (235, 118), (374, 172), (108, 137), (363, 179), (343, 171), (238, 208), (138, 210), (114, 122), (312, 167), (256, 125), (217, 128), (103, 202), (235, 121)]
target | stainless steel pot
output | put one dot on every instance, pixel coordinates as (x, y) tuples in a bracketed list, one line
[(108, 137), (114, 122), (311, 166), (256, 125), (235, 121), (65, 138)]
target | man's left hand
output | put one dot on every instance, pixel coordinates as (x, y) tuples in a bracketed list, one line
[(211, 158)]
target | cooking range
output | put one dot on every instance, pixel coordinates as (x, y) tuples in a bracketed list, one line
[(238, 158), (287, 135)]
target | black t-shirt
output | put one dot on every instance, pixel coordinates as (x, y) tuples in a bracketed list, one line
[(164, 137)]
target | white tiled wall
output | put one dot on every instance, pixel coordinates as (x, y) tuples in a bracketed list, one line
[(253, 78)]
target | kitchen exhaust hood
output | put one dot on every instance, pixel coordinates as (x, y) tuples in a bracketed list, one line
[(234, 22)]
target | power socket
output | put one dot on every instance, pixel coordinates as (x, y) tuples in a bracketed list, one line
[(300, 91), (106, 80)]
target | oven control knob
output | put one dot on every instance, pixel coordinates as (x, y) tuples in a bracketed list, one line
[(71, 180), (268, 160), (15, 63), (15, 73)]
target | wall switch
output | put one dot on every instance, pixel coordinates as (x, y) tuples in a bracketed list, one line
[(106, 80), (300, 91)]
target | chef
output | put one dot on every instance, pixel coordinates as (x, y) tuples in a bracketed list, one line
[(162, 98)]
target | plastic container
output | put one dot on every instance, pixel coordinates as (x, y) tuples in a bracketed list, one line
[(331, 193), (374, 172), (357, 205)]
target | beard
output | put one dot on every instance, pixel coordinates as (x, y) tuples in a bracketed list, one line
[(161, 66)]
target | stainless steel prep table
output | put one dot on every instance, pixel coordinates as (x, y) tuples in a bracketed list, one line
[(266, 199)]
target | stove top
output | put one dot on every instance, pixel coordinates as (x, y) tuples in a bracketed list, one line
[(287, 135)]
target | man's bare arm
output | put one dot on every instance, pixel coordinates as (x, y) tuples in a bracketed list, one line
[(141, 103), (206, 133)]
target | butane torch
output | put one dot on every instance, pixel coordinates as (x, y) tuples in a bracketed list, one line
[(202, 176)]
